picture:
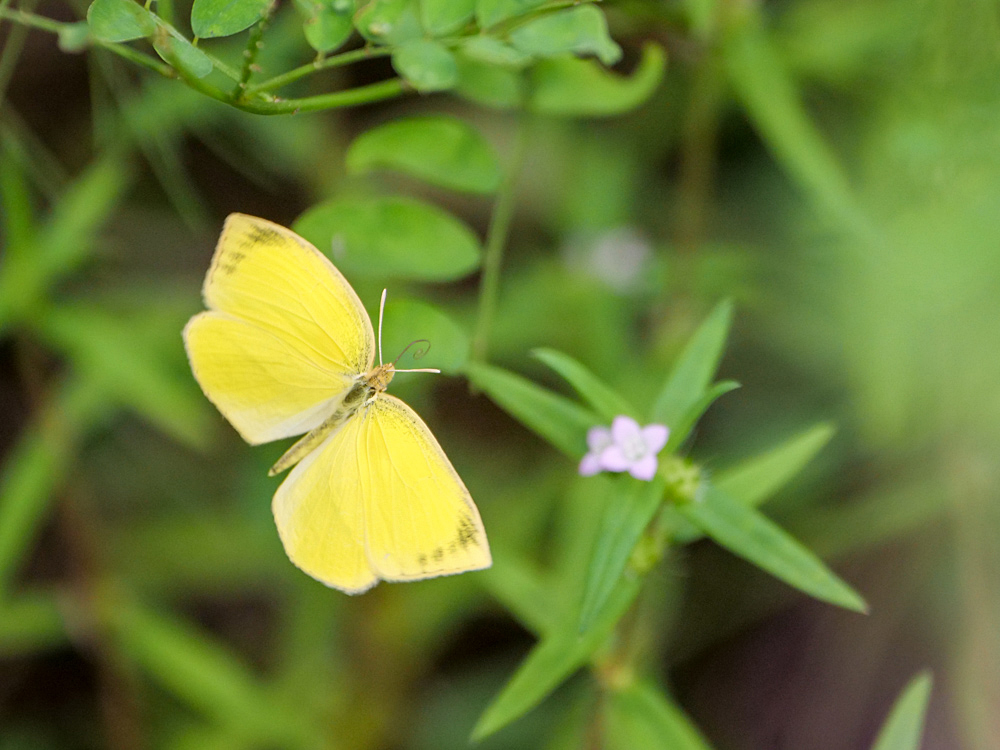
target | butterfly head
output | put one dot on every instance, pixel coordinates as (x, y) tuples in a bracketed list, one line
[(379, 378)]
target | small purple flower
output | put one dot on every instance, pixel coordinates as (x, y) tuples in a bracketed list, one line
[(598, 438), (625, 447)]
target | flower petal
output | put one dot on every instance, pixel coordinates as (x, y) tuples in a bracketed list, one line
[(613, 458), (655, 437), (644, 468), (624, 429), (590, 465), (598, 438)]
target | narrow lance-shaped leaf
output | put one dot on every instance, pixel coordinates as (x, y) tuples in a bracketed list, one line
[(755, 480), (67, 238), (105, 348), (750, 535), (442, 150), (553, 660), (679, 433), (765, 86), (38, 463), (758, 478), (694, 369), (520, 588), (201, 673), (594, 391), (625, 519), (905, 725), (32, 622), (640, 717), (555, 418)]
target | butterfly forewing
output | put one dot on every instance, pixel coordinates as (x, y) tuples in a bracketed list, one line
[(285, 335), (268, 275), (266, 386)]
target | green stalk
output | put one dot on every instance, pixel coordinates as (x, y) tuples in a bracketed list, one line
[(250, 53), (302, 71), (496, 241)]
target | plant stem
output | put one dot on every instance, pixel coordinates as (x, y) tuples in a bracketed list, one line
[(496, 240), (345, 58), (11, 52), (250, 53), (351, 97), (47, 24)]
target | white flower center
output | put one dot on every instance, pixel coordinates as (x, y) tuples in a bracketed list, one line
[(634, 448)]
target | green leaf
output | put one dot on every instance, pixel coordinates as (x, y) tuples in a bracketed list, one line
[(32, 622), (752, 536), (520, 588), (756, 479), (767, 90), (490, 50), (581, 31), (491, 12), (555, 418), (640, 717), (407, 320), (582, 88), (37, 465), (119, 20), (399, 237), (441, 17), (695, 368), (180, 53), (215, 18), (203, 674), (905, 725), (601, 397), (328, 23), (108, 351), (626, 517), (683, 427), (551, 661), (389, 21), (488, 83), (441, 150), (702, 16), (426, 64), (74, 37)]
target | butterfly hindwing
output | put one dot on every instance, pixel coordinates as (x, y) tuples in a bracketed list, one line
[(379, 500), (420, 520), (319, 512)]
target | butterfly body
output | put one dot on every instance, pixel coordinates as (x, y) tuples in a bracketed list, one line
[(286, 348)]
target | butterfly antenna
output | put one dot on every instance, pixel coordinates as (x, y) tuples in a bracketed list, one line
[(381, 313), (418, 354)]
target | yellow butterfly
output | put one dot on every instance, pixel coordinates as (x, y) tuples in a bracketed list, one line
[(286, 348)]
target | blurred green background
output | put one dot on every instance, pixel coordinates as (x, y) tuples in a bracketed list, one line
[(833, 166)]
